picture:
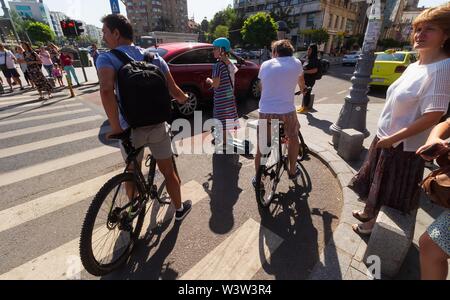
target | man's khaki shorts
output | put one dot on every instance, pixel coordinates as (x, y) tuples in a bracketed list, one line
[(156, 137)]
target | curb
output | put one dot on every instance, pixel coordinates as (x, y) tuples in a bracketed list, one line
[(342, 257)]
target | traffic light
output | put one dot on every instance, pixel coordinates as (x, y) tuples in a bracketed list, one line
[(69, 28), (79, 27)]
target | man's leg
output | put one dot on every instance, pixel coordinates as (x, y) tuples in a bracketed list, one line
[(172, 181), (293, 150)]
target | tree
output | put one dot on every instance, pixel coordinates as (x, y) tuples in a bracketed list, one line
[(204, 25), (20, 25), (40, 32), (280, 13), (85, 41), (259, 30), (221, 31), (164, 24), (318, 36)]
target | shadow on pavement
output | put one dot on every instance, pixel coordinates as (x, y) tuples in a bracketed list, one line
[(291, 218), (224, 192)]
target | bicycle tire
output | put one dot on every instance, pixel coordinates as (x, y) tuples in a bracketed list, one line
[(88, 259), (303, 151), (259, 189)]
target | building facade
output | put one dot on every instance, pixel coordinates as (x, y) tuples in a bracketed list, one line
[(34, 9), (157, 15), (94, 32), (56, 18), (339, 17)]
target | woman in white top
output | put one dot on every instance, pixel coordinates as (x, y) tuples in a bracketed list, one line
[(23, 65), (415, 103)]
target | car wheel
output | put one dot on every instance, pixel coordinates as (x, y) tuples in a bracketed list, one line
[(255, 89), (187, 109)]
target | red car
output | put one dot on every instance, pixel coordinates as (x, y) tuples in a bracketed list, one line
[(190, 65)]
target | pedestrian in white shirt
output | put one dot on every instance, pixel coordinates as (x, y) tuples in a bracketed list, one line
[(415, 103), (8, 67)]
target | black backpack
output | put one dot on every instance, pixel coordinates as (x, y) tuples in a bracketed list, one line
[(319, 73), (142, 86)]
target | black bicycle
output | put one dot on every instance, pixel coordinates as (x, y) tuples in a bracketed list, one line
[(273, 165), (115, 217)]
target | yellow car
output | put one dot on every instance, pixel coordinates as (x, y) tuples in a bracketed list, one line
[(390, 65)]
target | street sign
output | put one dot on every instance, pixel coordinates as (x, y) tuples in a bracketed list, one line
[(115, 6)]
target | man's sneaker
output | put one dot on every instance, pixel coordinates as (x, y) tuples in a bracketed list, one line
[(298, 171), (254, 182), (180, 215)]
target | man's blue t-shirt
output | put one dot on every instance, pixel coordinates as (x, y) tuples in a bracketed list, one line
[(109, 60)]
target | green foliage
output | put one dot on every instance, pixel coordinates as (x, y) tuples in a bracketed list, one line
[(85, 41), (259, 30), (229, 18), (318, 36), (204, 25), (280, 13), (391, 43), (39, 32), (221, 31)]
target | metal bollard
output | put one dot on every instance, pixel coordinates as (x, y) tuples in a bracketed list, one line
[(69, 83)]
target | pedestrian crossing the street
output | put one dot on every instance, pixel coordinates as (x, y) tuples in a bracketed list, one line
[(53, 161)]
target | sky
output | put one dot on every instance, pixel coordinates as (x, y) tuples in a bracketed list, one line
[(91, 11)]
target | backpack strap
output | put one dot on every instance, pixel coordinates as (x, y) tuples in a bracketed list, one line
[(124, 58)]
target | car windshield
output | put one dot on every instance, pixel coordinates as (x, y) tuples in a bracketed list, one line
[(390, 57), (161, 51)]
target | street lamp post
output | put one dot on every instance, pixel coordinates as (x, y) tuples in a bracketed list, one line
[(354, 113)]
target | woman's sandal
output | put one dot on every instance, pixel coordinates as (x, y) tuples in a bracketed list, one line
[(357, 215), (361, 231)]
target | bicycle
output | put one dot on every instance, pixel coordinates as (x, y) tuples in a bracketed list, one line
[(123, 221), (276, 163)]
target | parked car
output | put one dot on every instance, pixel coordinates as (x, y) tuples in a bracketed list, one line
[(390, 65), (301, 55), (190, 65), (351, 58)]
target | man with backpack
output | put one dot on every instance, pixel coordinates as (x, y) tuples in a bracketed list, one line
[(313, 72), (136, 95)]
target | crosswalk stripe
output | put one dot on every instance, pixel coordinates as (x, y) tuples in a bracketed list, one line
[(54, 165), (16, 150), (239, 256), (37, 208), (59, 263), (26, 99), (41, 103), (43, 117), (29, 130), (39, 110)]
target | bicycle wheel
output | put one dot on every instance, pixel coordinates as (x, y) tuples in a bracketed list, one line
[(267, 179), (107, 236), (303, 151)]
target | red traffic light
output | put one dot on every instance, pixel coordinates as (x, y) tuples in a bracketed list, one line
[(71, 24)]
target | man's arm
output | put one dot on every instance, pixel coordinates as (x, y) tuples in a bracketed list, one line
[(107, 78), (175, 90)]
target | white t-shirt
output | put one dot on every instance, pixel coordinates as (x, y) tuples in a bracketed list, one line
[(279, 78), (9, 61), (421, 89), (233, 70)]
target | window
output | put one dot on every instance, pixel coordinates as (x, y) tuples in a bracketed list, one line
[(390, 57), (201, 56), (310, 20)]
